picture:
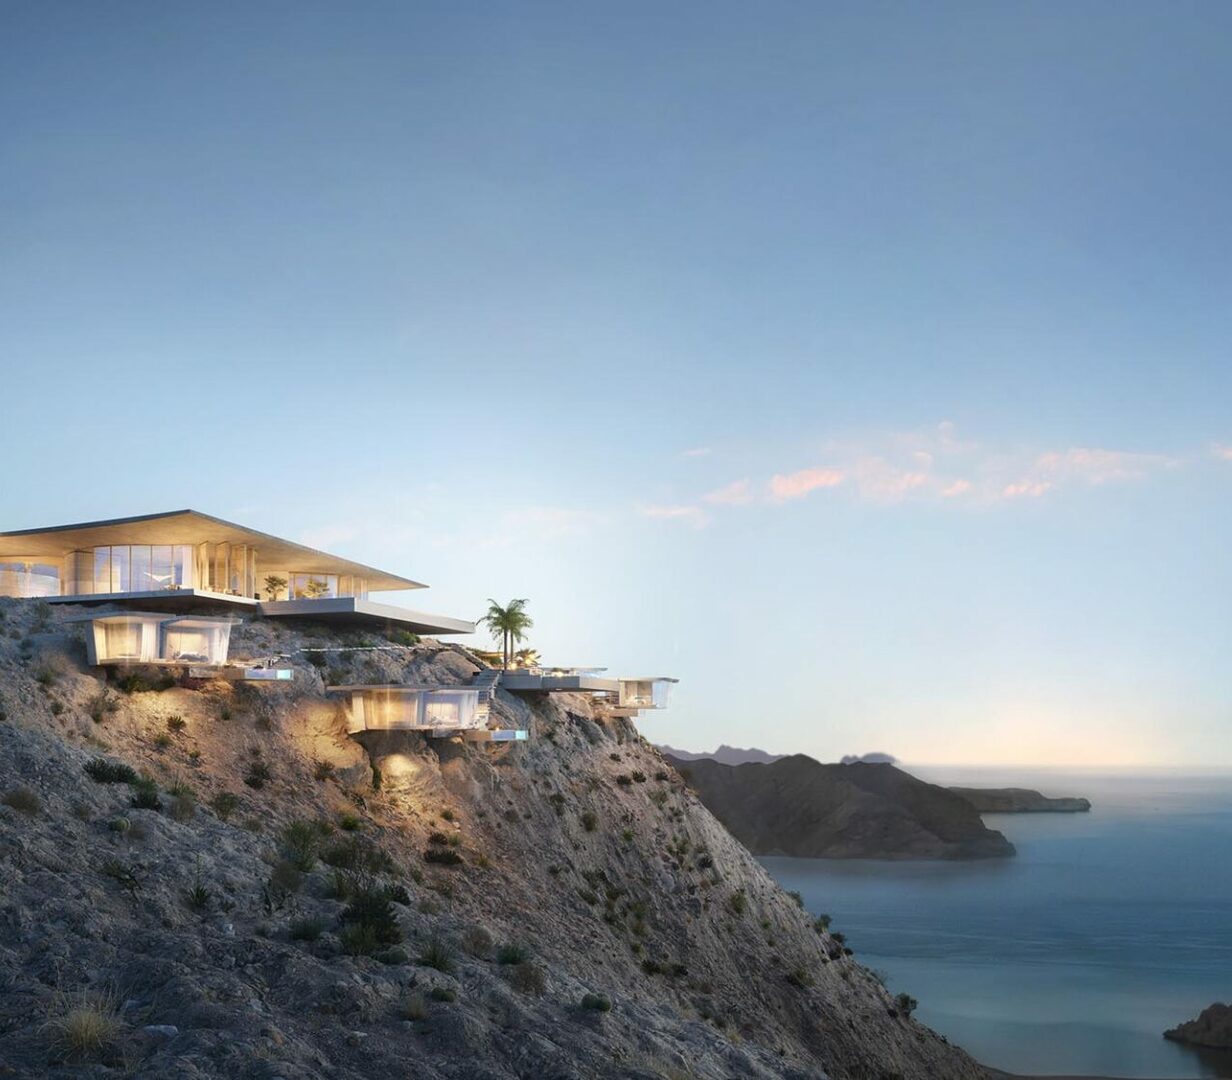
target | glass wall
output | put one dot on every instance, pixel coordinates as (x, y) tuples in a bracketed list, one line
[(131, 568), (313, 586), (196, 641), (645, 693), (29, 577)]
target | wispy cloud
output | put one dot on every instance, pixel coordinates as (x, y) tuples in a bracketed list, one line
[(787, 486), (1222, 451), (685, 514), (696, 451), (737, 493)]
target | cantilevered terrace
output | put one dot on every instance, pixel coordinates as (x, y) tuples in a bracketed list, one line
[(188, 562)]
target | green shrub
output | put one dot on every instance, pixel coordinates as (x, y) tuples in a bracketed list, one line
[(102, 771), (258, 775), (738, 903), (800, 979), (639, 777), (145, 794), (624, 780), (436, 954), (301, 844), (478, 942), (224, 803), (285, 878), (590, 820), (442, 856), (358, 939), (512, 953), (23, 800), (597, 1002), (404, 637), (821, 923), (905, 1004), (175, 723), (348, 822), (447, 814), (370, 907), (443, 993), (305, 928), (120, 825), (528, 978), (322, 770), (416, 1008), (358, 855), (183, 806)]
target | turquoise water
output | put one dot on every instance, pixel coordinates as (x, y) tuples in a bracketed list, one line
[(1074, 955)]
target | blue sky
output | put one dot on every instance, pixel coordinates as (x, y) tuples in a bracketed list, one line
[(866, 366)]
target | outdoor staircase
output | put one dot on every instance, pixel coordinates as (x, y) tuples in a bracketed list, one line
[(486, 681)]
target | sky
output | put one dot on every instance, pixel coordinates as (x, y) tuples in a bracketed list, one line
[(863, 365)]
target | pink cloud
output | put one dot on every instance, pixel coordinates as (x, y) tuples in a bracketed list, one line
[(953, 490), (1030, 488), (1222, 451), (737, 493), (798, 484)]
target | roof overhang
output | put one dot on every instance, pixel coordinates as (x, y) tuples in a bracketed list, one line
[(192, 527), (351, 610)]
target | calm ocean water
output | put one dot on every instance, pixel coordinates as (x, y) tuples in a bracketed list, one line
[(1074, 955)]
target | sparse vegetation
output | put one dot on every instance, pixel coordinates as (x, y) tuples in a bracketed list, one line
[(905, 1004), (145, 794), (183, 806), (23, 800), (528, 978), (306, 928), (224, 803), (597, 1002), (176, 723), (300, 843), (512, 953), (477, 941), (102, 771), (821, 923), (437, 954), (370, 908), (258, 775), (82, 1026), (738, 903), (800, 979), (322, 770), (443, 994), (442, 856), (590, 820), (416, 1008)]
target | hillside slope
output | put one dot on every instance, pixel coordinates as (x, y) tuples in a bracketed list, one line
[(798, 806), (585, 864)]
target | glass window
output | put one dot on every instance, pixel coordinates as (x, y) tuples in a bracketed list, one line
[(102, 570), (21, 577), (182, 567), (442, 712), (160, 567), (139, 569), (189, 645), (122, 640), (307, 586)]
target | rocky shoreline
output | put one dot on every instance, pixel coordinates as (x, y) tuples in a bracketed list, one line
[(1020, 801)]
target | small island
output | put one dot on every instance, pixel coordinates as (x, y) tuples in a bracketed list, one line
[(1212, 1028), (1019, 801)]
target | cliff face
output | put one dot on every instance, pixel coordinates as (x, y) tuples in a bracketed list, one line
[(1213, 1028), (302, 933), (1019, 801), (797, 806)]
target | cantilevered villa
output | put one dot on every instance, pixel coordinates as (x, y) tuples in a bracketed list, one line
[(185, 562)]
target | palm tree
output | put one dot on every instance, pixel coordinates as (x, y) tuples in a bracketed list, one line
[(508, 625)]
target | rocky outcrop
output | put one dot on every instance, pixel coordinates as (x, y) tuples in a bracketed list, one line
[(282, 901), (798, 806), (876, 757), (1212, 1028), (1019, 801)]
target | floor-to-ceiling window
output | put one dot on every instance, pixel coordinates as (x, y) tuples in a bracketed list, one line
[(28, 577)]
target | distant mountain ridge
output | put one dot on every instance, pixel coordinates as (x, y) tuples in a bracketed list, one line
[(724, 755), (797, 806)]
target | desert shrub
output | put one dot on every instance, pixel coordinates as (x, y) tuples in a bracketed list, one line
[(590, 820), (662, 775), (140, 682), (738, 903), (224, 803), (905, 1004), (348, 822), (102, 771), (704, 860), (437, 954), (118, 871), (838, 937), (652, 967), (175, 723), (306, 929), (120, 825), (23, 800), (597, 1002), (285, 878), (624, 780), (443, 993), (800, 979), (512, 953), (438, 838), (145, 794), (370, 907), (404, 637), (821, 923), (658, 797), (57, 708), (83, 1026), (447, 814), (300, 844), (45, 677), (322, 770), (358, 939), (183, 806), (528, 978), (558, 802), (258, 775), (639, 777), (442, 856), (161, 741), (416, 1008), (357, 855), (198, 896), (477, 941), (101, 706)]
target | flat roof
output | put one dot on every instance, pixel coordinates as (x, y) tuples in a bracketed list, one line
[(193, 527)]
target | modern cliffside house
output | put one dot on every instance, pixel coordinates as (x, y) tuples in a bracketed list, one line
[(438, 711), (143, 637), (625, 696), (187, 562)]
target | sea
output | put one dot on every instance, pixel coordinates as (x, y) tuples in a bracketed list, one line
[(1073, 956)]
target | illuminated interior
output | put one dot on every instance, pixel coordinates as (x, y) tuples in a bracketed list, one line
[(645, 693), (376, 708), (29, 577), (155, 638)]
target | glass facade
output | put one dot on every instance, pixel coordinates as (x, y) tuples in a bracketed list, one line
[(130, 568), (29, 577), (382, 709), (645, 693), (149, 638)]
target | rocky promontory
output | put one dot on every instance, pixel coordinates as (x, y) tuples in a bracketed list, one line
[(797, 806), (1019, 801), (1212, 1028)]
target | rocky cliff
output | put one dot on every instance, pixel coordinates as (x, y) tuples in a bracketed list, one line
[(1019, 801), (212, 881), (1213, 1028), (798, 806)]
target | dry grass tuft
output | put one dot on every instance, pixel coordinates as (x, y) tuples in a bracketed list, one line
[(83, 1026)]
